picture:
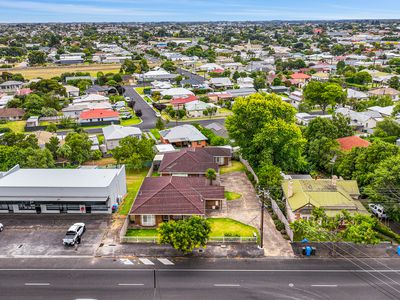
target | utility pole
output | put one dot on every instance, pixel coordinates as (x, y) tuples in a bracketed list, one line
[(261, 196)]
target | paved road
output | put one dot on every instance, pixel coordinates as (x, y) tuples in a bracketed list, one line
[(201, 279), (149, 116), (195, 78)]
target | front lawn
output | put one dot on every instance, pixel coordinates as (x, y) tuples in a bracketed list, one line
[(15, 126), (132, 121), (223, 226), (155, 132), (236, 166), (142, 232), (140, 90), (134, 180), (232, 195)]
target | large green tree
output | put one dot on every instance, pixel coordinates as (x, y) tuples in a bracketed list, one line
[(324, 94), (185, 235), (76, 148), (134, 152)]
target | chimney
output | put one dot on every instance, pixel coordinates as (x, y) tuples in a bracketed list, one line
[(290, 189), (334, 180)]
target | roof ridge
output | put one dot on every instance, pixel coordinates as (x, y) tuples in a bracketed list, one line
[(201, 197), (152, 195)]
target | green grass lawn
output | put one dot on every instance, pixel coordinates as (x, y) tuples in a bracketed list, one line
[(236, 166), (224, 111), (132, 121), (155, 132), (222, 226), (15, 126), (142, 232), (140, 90), (134, 180), (232, 196)]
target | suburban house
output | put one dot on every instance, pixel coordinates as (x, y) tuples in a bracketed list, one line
[(158, 74), (333, 195), (99, 115), (385, 91), (61, 190), (177, 93), (91, 98), (194, 161), (11, 114), (218, 129), (72, 91), (114, 133), (221, 82), (183, 136), (361, 121), (165, 198), (101, 90), (354, 94), (11, 86), (179, 103), (349, 142), (299, 79), (246, 82), (74, 110), (196, 109)]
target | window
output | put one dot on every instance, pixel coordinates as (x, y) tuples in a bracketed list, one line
[(148, 220)]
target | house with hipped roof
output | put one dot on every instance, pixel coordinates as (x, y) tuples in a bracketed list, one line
[(333, 195)]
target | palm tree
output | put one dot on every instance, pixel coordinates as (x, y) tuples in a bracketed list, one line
[(211, 174)]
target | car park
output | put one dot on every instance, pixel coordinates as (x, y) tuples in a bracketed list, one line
[(74, 234), (378, 210)]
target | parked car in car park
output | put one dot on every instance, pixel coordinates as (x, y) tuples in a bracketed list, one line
[(378, 210), (74, 234), (1, 227)]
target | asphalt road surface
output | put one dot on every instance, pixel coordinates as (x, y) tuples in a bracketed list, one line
[(197, 279)]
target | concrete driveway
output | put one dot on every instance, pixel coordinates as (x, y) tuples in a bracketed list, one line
[(41, 235), (247, 210)]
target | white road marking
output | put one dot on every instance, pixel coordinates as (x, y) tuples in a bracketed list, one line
[(165, 261), (146, 261), (324, 285), (291, 285), (226, 285), (130, 284), (126, 261), (37, 283)]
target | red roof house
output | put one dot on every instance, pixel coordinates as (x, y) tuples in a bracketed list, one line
[(350, 142), (98, 115), (300, 76), (181, 101)]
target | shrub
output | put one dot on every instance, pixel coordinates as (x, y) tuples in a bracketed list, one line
[(231, 234)]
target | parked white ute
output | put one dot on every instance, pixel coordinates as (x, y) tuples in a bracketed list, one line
[(378, 210), (74, 234), (1, 227)]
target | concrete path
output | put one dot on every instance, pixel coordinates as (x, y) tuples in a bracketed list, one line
[(247, 210)]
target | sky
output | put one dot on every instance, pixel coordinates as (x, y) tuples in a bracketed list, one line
[(17, 11)]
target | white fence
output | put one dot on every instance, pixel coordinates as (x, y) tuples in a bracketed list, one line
[(139, 239), (282, 218), (123, 230)]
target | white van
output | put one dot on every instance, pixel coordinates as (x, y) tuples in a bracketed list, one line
[(378, 210)]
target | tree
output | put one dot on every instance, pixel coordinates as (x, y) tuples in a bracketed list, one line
[(36, 57), (324, 94), (320, 153), (385, 186), (160, 124), (270, 178), (388, 129), (168, 66), (46, 86), (211, 175), (53, 145), (134, 152), (185, 235), (259, 83), (33, 105), (250, 114), (394, 82), (51, 127), (76, 148)]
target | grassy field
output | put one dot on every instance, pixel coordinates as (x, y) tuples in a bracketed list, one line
[(134, 180), (222, 226), (133, 121), (155, 132), (141, 232), (15, 126), (53, 71), (235, 166), (232, 196)]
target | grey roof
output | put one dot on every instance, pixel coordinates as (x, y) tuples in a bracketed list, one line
[(241, 92), (58, 178), (183, 133), (117, 132), (11, 82)]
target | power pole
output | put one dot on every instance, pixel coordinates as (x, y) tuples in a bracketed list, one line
[(261, 196)]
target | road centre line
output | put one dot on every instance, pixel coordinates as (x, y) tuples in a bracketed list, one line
[(130, 284), (226, 285), (37, 283), (324, 285)]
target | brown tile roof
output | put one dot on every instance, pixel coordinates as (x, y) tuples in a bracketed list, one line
[(11, 112), (188, 160), (350, 142), (174, 195)]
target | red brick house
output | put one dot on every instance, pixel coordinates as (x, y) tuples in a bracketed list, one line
[(165, 198), (11, 114), (183, 136), (194, 161)]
